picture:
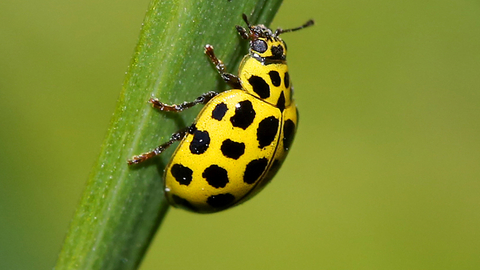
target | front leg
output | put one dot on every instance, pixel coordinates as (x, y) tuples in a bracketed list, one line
[(229, 78)]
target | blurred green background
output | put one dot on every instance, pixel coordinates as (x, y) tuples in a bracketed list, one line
[(384, 173)]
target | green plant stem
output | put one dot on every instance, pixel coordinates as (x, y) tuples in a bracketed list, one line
[(122, 206)]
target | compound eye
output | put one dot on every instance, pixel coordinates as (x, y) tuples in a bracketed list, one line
[(259, 46)]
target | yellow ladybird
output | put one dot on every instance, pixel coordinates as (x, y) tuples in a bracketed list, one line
[(241, 137)]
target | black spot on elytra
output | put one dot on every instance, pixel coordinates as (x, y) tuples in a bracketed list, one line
[(182, 174), (275, 77), (221, 200), (254, 170), (200, 142), (277, 52), (260, 86), (216, 176), (281, 102), (244, 114), (219, 112), (232, 149), (181, 202), (266, 131), (288, 134), (287, 80)]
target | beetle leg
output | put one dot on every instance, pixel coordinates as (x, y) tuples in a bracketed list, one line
[(229, 78), (185, 105), (177, 136)]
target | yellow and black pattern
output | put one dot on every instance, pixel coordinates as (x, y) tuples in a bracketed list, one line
[(241, 137)]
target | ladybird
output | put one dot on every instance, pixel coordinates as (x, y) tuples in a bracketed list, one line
[(240, 138)]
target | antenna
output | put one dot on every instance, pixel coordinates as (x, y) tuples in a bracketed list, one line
[(242, 31), (244, 16), (281, 31)]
